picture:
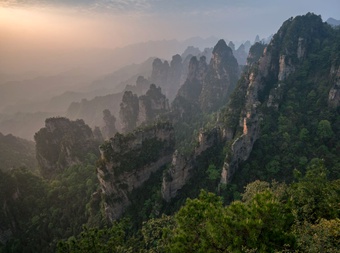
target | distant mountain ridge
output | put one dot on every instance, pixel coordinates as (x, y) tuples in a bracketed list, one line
[(333, 22)]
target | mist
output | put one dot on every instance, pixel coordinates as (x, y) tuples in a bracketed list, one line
[(54, 53)]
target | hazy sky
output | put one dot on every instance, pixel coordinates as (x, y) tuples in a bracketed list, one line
[(31, 25)]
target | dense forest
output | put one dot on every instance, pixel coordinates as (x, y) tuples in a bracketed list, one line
[(244, 159)]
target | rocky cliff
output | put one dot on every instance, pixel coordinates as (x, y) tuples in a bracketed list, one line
[(166, 76), (221, 78), (136, 111), (62, 143), (186, 104), (127, 161), (334, 93), (265, 83), (183, 167)]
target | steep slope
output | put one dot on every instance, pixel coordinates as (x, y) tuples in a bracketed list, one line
[(221, 78), (127, 162), (136, 111), (301, 61)]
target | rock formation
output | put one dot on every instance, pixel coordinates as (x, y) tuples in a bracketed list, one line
[(221, 78), (264, 83), (109, 128), (334, 93), (63, 143), (129, 109), (166, 76), (182, 167), (128, 161), (136, 111)]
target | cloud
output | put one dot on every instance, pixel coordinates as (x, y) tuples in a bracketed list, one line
[(99, 5)]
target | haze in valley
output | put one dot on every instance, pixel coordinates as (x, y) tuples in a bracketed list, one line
[(54, 53)]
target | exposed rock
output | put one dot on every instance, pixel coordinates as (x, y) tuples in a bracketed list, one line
[(255, 52), (186, 104), (182, 167), (129, 109), (128, 161), (334, 93), (286, 68), (177, 175), (136, 111), (221, 78), (109, 128), (264, 83), (160, 70), (62, 143), (152, 105), (142, 85), (168, 77)]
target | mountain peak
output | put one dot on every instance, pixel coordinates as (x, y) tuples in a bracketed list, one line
[(221, 47)]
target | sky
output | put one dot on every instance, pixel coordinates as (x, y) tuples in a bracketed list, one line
[(28, 26)]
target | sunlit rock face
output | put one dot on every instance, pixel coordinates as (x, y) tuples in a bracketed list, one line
[(63, 143), (264, 82)]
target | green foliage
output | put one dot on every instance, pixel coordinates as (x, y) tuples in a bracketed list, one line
[(314, 197), (45, 211), (155, 234), (204, 225), (95, 240), (213, 173), (324, 236)]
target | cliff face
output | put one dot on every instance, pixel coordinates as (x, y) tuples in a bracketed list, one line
[(136, 111), (264, 84), (129, 109), (221, 78), (128, 161), (334, 93), (62, 143), (207, 87), (186, 103), (182, 167), (168, 77)]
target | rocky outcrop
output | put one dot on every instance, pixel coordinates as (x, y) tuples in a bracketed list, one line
[(334, 93), (264, 83), (192, 87), (255, 52), (109, 128), (221, 78), (182, 167), (136, 111), (63, 143), (128, 161), (166, 76), (152, 105), (129, 109)]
